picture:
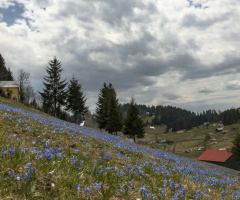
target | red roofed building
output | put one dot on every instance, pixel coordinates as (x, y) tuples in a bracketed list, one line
[(219, 157), (215, 155)]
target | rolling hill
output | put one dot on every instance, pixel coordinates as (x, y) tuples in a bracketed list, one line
[(45, 158)]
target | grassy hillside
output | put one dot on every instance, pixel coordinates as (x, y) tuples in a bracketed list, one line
[(191, 140), (46, 158)]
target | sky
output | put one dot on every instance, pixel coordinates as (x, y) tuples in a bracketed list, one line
[(182, 53)]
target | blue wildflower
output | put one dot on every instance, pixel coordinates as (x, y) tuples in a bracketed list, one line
[(46, 144), (107, 157), (27, 175), (79, 189), (51, 173), (88, 190), (10, 173), (97, 186), (18, 178)]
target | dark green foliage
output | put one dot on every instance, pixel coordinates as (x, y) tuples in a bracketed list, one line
[(236, 147), (5, 74), (75, 101), (2, 93), (101, 109), (133, 124), (177, 118), (9, 93), (53, 95), (108, 110), (114, 114)]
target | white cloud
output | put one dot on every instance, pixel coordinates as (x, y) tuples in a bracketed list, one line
[(156, 51), (6, 3)]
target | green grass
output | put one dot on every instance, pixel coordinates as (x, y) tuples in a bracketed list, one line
[(46, 158), (191, 139)]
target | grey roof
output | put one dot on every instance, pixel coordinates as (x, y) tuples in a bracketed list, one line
[(9, 83)]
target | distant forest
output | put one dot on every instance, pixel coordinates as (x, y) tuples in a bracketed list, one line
[(177, 118)]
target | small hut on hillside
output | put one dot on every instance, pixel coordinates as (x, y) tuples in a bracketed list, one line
[(11, 88), (219, 157)]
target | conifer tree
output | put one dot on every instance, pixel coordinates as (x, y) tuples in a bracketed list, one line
[(133, 124), (114, 113), (5, 74), (108, 110), (101, 109), (236, 147), (53, 95), (75, 101)]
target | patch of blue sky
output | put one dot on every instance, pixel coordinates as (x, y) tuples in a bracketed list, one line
[(10, 14), (196, 5)]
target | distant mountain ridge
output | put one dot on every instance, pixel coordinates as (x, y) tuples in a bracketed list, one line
[(177, 118)]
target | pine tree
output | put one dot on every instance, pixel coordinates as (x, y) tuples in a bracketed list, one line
[(75, 101), (101, 109), (53, 95), (108, 110), (5, 74), (114, 113), (236, 147), (133, 124)]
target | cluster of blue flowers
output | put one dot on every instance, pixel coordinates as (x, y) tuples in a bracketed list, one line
[(160, 163)]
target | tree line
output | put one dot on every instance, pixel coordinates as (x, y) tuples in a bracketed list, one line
[(177, 118), (109, 114), (61, 99), (58, 96)]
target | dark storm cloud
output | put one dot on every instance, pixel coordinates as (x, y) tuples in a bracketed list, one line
[(138, 46), (111, 12), (232, 86), (125, 65), (192, 68), (170, 96), (191, 20), (205, 91)]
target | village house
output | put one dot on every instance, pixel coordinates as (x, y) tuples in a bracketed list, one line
[(219, 157), (11, 88)]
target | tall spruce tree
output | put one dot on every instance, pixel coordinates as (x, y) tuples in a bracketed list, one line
[(108, 110), (114, 113), (54, 94), (133, 124), (101, 109), (236, 147), (5, 74), (75, 101)]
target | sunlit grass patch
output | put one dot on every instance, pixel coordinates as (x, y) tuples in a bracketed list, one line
[(43, 157)]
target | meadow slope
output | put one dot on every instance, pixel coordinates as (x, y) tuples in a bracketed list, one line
[(42, 157)]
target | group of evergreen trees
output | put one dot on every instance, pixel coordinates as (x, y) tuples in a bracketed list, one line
[(27, 94), (59, 96), (110, 118), (108, 110), (177, 118), (5, 73), (56, 97)]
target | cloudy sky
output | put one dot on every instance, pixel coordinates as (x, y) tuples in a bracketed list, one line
[(184, 53)]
